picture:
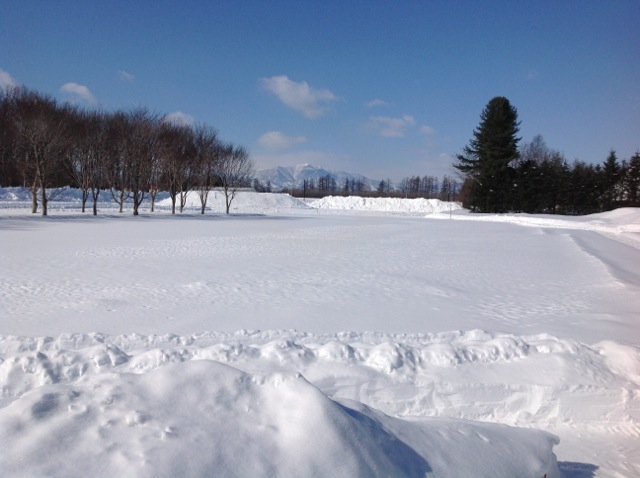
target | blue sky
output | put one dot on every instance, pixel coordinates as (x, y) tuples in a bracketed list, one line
[(382, 88)]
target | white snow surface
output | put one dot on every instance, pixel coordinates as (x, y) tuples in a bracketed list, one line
[(396, 205), (344, 337)]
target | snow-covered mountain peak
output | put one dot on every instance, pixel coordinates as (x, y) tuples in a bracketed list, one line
[(285, 177)]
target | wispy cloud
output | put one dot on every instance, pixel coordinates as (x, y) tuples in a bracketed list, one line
[(375, 103), (179, 118), (79, 92), (311, 102), (126, 76), (278, 140), (7, 81), (427, 130), (391, 127)]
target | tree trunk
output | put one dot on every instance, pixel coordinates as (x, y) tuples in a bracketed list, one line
[(204, 195), (183, 200), (43, 198), (94, 195), (227, 200), (34, 198), (153, 199), (173, 202), (85, 196)]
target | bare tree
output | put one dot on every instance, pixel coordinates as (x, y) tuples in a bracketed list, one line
[(208, 154), (89, 155), (118, 128), (234, 172), (98, 155), (141, 153), (177, 149), (43, 137), (76, 156)]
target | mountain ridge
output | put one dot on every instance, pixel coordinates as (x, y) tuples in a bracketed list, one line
[(293, 177)]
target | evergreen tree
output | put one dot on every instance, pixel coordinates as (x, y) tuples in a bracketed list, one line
[(610, 178), (541, 174), (585, 188), (486, 160), (632, 181)]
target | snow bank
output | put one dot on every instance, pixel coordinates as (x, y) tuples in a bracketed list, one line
[(623, 224), (423, 375), (135, 404), (393, 205), (244, 202), (203, 418), (247, 202)]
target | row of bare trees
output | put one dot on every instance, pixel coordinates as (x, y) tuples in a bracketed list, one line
[(134, 154), (430, 187)]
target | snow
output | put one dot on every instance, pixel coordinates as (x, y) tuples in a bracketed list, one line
[(340, 337), (396, 205)]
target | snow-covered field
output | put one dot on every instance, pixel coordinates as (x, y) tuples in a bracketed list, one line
[(339, 337)]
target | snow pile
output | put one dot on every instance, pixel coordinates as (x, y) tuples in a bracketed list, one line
[(203, 418), (247, 202), (392, 205), (243, 202), (432, 375)]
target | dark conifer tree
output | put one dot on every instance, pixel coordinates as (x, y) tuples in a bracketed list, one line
[(632, 181), (486, 161), (610, 178)]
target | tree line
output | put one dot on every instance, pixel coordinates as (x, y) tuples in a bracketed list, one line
[(502, 176), (46, 145), (430, 187)]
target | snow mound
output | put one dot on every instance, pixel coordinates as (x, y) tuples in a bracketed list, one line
[(244, 201), (203, 418), (394, 205), (415, 375)]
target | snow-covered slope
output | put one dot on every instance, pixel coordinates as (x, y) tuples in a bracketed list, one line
[(162, 345)]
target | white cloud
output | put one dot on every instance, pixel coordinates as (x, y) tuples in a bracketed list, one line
[(79, 92), (391, 127), (427, 130), (278, 140), (179, 118), (375, 103), (7, 81), (311, 102), (125, 76)]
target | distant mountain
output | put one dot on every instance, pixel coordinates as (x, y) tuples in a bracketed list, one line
[(287, 177)]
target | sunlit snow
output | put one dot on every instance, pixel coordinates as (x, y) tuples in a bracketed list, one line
[(335, 337)]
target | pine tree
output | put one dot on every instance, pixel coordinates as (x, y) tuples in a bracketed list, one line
[(632, 181), (610, 178), (486, 161)]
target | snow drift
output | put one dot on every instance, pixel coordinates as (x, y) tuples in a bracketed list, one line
[(202, 418)]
